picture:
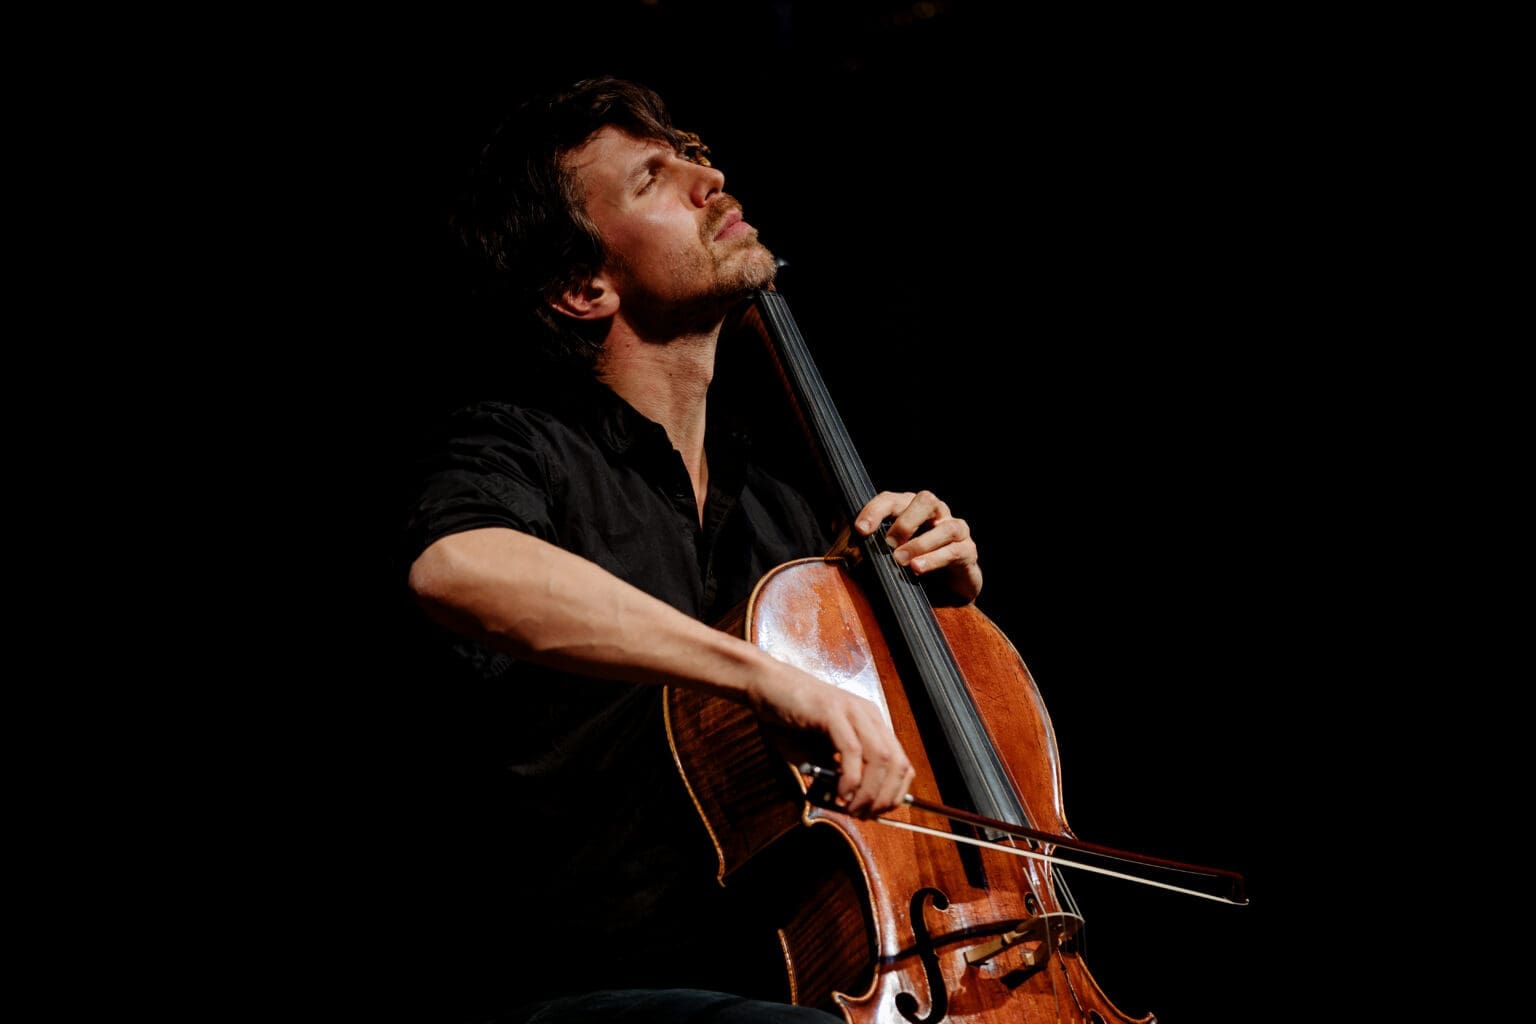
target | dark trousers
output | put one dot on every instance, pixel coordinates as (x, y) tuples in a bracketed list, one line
[(664, 1006)]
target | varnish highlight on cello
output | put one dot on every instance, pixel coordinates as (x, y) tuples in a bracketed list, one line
[(950, 908)]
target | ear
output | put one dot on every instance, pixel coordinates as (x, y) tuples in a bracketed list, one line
[(591, 298)]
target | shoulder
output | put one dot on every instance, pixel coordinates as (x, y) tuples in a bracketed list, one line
[(489, 438), (499, 428), (499, 416)]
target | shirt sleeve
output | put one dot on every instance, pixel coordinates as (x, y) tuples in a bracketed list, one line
[(488, 468)]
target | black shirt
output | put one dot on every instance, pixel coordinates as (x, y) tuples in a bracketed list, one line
[(569, 820)]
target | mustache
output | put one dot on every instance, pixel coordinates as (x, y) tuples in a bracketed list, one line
[(720, 208)]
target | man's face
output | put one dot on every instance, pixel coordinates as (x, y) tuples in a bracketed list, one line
[(675, 239)]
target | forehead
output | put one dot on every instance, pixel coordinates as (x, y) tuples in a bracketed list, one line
[(610, 157)]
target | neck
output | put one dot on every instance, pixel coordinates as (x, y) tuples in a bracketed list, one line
[(667, 382)]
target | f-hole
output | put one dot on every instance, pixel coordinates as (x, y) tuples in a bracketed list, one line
[(938, 995)]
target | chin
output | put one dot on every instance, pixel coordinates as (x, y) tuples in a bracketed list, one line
[(759, 269)]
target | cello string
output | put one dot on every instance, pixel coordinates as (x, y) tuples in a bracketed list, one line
[(985, 778), (1050, 859)]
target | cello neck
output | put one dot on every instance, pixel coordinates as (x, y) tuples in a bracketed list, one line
[(981, 770)]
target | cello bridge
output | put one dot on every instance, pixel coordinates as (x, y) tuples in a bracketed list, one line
[(1039, 935)]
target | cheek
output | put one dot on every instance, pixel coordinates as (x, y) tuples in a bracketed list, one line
[(636, 243), (668, 231)]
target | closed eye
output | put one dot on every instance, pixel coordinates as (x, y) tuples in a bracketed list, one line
[(650, 172)]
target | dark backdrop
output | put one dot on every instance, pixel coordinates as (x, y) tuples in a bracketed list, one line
[(1060, 275)]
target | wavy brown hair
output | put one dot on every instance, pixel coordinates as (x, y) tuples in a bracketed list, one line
[(523, 211)]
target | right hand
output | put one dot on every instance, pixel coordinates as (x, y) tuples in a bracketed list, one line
[(876, 774)]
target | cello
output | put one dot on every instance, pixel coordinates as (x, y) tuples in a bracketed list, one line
[(949, 909)]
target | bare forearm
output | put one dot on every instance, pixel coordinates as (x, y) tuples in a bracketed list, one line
[(515, 593)]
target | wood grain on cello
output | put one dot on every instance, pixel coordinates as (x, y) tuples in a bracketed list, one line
[(923, 917)]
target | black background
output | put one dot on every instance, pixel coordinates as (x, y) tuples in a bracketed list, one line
[(1065, 277)]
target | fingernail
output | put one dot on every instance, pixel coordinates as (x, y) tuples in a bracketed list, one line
[(902, 558), (863, 525)]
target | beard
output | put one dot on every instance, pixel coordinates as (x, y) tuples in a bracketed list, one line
[(713, 278), (742, 264)]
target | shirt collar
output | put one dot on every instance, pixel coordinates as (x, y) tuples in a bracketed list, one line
[(619, 427)]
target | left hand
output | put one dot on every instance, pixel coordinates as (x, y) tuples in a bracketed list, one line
[(926, 538)]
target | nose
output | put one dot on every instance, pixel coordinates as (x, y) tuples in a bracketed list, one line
[(705, 183)]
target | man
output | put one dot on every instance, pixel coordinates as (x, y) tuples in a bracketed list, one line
[(578, 551)]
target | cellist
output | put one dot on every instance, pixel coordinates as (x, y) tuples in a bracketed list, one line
[(574, 552)]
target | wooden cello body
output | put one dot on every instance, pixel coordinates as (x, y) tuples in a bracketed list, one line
[(935, 921)]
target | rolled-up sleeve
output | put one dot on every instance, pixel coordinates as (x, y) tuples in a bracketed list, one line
[(490, 469)]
